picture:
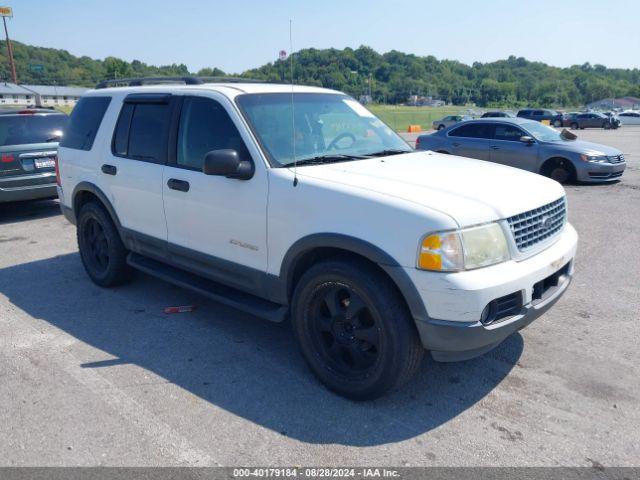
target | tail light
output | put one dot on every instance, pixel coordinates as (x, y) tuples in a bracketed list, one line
[(7, 158), (417, 142), (55, 159)]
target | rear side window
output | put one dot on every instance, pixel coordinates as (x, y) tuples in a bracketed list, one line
[(84, 123), (24, 129), (538, 113), (141, 132), (473, 130)]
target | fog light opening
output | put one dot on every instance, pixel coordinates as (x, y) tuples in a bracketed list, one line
[(488, 315)]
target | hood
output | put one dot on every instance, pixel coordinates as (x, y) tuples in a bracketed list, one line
[(471, 191), (587, 148)]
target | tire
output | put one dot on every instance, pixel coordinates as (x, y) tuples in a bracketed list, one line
[(354, 330), (557, 123), (101, 249), (606, 126), (574, 126), (560, 170), (441, 127)]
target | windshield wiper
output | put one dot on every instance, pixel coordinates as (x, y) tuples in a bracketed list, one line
[(323, 159), (390, 151)]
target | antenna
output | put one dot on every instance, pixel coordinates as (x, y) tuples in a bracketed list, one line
[(293, 113)]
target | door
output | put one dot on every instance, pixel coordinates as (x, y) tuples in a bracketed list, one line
[(507, 148), (133, 168), (216, 225), (582, 120), (472, 140)]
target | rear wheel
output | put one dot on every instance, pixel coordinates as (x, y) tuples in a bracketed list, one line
[(606, 125), (557, 123), (574, 126), (354, 330), (101, 250)]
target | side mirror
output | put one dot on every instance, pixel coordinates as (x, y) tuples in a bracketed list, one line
[(227, 163), (527, 139)]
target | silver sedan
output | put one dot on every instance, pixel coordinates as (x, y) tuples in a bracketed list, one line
[(529, 145), (448, 121)]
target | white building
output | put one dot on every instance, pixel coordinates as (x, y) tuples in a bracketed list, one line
[(12, 94), (52, 95)]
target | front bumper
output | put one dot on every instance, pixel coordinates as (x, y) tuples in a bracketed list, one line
[(27, 187), (599, 172), (455, 301)]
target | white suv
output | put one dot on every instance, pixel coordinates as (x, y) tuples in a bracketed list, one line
[(299, 203)]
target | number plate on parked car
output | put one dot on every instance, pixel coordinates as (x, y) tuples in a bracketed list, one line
[(44, 163)]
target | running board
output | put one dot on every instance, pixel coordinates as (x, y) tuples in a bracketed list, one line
[(208, 288)]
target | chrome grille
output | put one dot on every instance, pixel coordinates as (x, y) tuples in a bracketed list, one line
[(615, 158), (532, 227)]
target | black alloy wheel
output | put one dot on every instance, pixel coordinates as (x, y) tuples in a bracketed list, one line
[(345, 333)]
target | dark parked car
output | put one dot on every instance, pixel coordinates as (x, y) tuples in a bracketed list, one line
[(28, 147), (594, 120), (497, 114), (540, 114), (528, 145), (566, 120)]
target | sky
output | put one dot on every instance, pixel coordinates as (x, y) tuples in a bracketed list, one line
[(241, 34)]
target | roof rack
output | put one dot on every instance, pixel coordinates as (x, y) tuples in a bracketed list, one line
[(186, 80)]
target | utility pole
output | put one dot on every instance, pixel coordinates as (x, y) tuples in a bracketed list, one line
[(7, 12)]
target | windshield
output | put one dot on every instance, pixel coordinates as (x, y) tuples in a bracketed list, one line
[(325, 125), (23, 129), (542, 132)]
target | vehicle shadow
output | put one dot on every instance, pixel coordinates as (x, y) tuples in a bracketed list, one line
[(29, 210), (247, 366)]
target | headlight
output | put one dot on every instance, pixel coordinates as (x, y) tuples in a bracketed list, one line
[(465, 249), (594, 158)]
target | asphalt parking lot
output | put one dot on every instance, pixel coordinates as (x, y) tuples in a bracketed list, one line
[(103, 377)]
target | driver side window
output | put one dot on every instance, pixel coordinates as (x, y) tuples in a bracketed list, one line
[(204, 126)]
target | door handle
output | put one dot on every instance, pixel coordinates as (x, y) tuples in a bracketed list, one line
[(109, 169), (180, 185), (494, 147)]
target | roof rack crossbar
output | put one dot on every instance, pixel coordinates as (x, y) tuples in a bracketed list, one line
[(187, 80)]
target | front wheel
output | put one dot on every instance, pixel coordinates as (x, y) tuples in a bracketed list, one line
[(101, 250), (557, 123), (574, 126), (441, 127), (354, 330)]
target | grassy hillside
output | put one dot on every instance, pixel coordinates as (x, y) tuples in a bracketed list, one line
[(390, 77)]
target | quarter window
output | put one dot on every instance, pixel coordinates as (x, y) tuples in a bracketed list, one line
[(84, 123), (205, 126)]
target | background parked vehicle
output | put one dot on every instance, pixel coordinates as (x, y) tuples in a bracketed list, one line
[(540, 114), (528, 145), (28, 146), (629, 118), (497, 114), (566, 120), (449, 120), (594, 120)]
